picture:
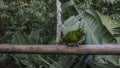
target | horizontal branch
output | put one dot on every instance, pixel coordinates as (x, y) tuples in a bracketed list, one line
[(61, 49)]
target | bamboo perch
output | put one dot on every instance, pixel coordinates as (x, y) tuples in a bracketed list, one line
[(61, 49)]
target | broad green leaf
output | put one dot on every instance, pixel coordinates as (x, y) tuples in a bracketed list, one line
[(108, 23), (111, 25), (70, 24), (96, 32), (117, 28), (100, 30)]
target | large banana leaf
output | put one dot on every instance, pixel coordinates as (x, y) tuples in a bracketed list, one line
[(99, 31)]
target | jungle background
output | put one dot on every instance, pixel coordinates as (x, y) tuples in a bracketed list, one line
[(34, 22)]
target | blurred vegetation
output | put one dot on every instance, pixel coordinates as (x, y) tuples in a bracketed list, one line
[(30, 18), (34, 22)]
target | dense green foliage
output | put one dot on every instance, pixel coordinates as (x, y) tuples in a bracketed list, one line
[(34, 22), (29, 18), (23, 22)]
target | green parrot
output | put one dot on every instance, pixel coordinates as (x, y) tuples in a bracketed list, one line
[(74, 36)]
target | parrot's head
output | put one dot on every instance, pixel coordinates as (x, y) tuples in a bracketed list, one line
[(82, 31)]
